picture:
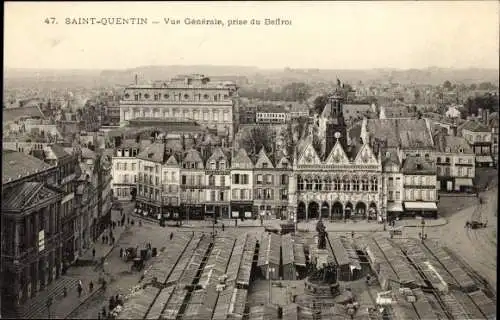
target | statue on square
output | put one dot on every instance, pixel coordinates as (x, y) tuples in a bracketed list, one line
[(320, 228)]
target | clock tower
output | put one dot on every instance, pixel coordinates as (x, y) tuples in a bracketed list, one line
[(335, 125)]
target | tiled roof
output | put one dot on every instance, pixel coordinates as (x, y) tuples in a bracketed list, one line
[(415, 165), (395, 112), (390, 155), (13, 114), (217, 154), (26, 195), (404, 133), (242, 160), (16, 165), (58, 151), (193, 156), (129, 143), (452, 144), (474, 126), (154, 152)]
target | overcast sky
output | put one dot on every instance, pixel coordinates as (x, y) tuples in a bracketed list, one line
[(336, 35)]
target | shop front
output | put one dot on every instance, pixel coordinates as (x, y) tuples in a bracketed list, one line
[(242, 209), (394, 210), (217, 210), (422, 209), (192, 211)]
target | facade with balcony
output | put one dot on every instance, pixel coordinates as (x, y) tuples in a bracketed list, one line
[(420, 180), (192, 97), (193, 186), (218, 182), (124, 170), (241, 185), (478, 136)]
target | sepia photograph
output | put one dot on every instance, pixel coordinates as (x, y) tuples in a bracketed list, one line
[(225, 160)]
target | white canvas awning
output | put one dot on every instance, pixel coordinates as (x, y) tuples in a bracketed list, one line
[(395, 207), (420, 205), (484, 159), (463, 182)]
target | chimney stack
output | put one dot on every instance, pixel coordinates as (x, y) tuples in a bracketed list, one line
[(135, 79)]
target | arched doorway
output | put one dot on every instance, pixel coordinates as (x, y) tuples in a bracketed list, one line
[(325, 210), (372, 211), (337, 211), (360, 210), (301, 211), (313, 210), (348, 210)]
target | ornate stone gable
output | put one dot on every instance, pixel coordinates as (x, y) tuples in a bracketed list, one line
[(309, 156), (337, 155), (365, 156), (172, 161)]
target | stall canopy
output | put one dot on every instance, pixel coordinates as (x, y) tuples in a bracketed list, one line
[(464, 182), (395, 207), (420, 206)]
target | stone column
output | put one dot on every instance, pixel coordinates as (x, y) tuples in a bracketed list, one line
[(307, 210), (16, 238)]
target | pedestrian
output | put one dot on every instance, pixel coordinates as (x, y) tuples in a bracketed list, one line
[(128, 220), (222, 227), (140, 223), (111, 303), (93, 253), (65, 292), (103, 238), (171, 235), (352, 234), (91, 286), (121, 252), (79, 289), (104, 312)]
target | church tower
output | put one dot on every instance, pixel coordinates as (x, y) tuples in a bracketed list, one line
[(336, 122)]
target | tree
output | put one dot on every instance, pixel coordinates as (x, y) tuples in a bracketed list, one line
[(417, 95), (257, 138), (320, 103), (447, 85)]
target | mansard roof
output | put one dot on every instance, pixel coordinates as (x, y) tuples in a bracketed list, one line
[(154, 153), (16, 165)]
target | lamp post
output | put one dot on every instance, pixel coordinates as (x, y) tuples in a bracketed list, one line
[(48, 303), (269, 271)]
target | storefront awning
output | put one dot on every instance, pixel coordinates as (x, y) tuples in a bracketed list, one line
[(420, 206), (395, 207), (463, 182), (484, 159)]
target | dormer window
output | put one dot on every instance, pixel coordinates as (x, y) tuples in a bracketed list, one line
[(264, 165), (222, 164), (419, 166), (461, 150), (212, 165)]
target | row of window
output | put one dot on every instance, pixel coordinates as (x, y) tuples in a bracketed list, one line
[(125, 178), (390, 182), (420, 195), (269, 179), (122, 192), (447, 160), (240, 178), (268, 194), (176, 96), (419, 180), (186, 114), (124, 166), (337, 184), (460, 172), (393, 195), (270, 115), (127, 152), (241, 194)]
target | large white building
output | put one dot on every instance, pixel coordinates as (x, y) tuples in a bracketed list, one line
[(192, 97), (124, 170)]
